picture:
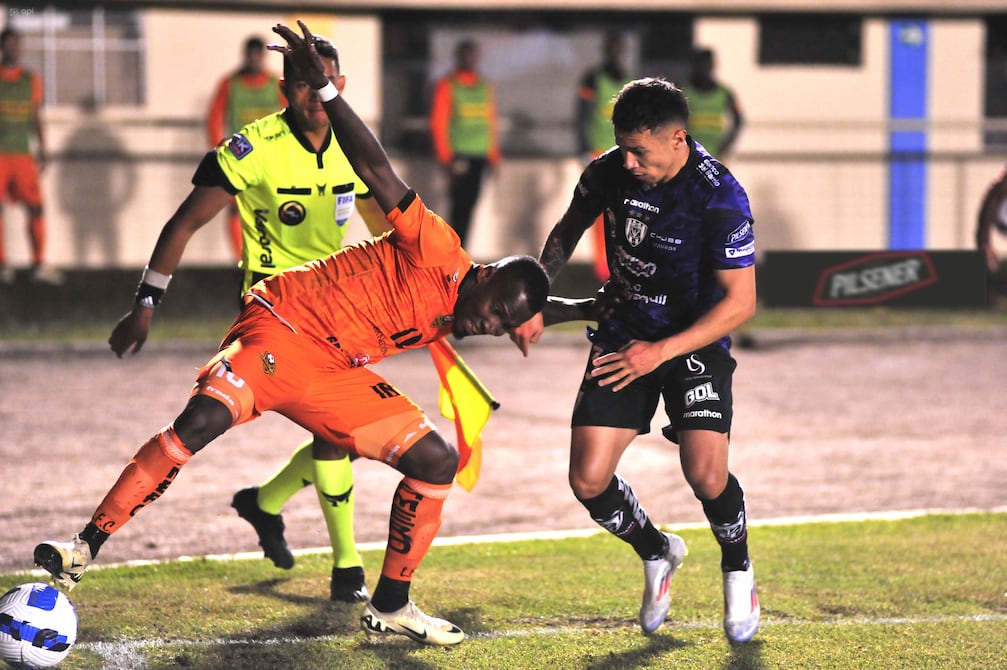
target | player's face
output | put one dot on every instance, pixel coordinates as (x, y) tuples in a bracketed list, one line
[(490, 308), (305, 103), (653, 157)]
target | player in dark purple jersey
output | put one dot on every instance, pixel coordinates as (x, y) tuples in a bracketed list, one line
[(681, 253)]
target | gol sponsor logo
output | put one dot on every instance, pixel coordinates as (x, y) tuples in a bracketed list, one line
[(874, 278)]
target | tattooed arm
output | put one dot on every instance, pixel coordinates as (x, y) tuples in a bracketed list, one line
[(556, 252)]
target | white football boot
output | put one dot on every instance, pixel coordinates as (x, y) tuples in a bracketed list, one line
[(741, 605), (410, 621), (657, 586), (65, 561)]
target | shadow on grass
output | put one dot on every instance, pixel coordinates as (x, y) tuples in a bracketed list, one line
[(656, 646), (745, 656)]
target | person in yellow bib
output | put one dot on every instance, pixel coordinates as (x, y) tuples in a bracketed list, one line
[(595, 99), (295, 192), (463, 125), (242, 96), (715, 117), (20, 124)]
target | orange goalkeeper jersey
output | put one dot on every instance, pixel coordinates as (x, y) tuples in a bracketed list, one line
[(378, 297)]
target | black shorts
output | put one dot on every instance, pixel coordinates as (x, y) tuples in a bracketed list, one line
[(696, 389)]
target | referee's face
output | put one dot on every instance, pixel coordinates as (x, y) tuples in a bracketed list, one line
[(304, 102)]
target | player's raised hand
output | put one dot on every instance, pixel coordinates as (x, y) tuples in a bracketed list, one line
[(302, 52)]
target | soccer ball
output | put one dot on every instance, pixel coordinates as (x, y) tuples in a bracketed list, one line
[(38, 625)]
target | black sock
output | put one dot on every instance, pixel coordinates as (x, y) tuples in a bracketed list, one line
[(618, 511), (726, 514), (390, 594), (94, 538)]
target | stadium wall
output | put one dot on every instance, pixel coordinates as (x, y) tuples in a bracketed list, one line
[(813, 155)]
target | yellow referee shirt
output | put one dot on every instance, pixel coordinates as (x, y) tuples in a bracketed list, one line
[(294, 202)]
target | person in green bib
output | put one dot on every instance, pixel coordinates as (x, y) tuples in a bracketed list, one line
[(596, 95), (295, 192), (242, 96), (21, 163), (715, 117), (463, 126)]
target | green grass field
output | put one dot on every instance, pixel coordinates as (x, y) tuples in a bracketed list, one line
[(920, 592)]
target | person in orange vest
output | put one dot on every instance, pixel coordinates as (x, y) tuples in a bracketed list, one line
[(595, 98), (20, 123), (463, 125), (247, 94)]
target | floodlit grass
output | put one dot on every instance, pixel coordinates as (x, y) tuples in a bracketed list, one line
[(926, 592)]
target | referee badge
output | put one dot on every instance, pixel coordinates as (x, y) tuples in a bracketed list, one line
[(239, 146)]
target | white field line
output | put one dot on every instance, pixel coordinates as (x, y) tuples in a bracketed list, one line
[(562, 534), (130, 655)]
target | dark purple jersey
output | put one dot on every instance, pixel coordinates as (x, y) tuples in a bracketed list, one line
[(665, 243)]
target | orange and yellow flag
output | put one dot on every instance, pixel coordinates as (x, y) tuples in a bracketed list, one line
[(468, 403)]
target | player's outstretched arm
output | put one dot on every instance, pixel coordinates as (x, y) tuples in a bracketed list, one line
[(202, 204), (361, 147)]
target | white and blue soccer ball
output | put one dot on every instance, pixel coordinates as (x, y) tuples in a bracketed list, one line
[(38, 626)]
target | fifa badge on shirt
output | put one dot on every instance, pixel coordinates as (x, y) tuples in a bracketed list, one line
[(239, 146)]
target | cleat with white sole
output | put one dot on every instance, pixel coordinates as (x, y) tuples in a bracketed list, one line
[(410, 621), (65, 561), (741, 605), (657, 587)]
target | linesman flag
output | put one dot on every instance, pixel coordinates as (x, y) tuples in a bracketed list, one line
[(468, 403)]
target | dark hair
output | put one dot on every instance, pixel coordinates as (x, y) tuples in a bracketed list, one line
[(702, 54), (648, 104), (7, 33), (467, 44), (254, 43), (532, 276), (325, 48)]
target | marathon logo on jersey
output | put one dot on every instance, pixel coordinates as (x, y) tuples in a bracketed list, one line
[(640, 204), (636, 231), (874, 278), (239, 146)]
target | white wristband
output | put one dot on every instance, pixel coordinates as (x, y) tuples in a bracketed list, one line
[(327, 92), (155, 278)]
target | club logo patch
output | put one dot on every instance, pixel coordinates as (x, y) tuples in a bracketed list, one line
[(636, 231), (268, 363)]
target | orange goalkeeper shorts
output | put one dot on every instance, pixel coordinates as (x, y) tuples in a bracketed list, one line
[(263, 365)]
